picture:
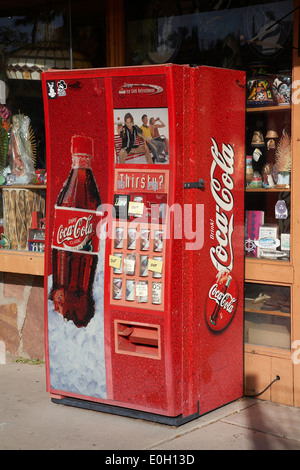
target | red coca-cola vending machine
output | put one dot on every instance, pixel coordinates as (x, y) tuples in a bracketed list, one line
[(144, 239)]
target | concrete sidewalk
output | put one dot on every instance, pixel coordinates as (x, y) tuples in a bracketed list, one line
[(30, 421)]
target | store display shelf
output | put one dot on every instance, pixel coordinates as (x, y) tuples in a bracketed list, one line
[(23, 186), (267, 351), (23, 262), (257, 310), (268, 108), (268, 190), (269, 271)]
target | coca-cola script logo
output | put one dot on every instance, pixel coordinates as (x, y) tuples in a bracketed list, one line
[(222, 296), (77, 233), (221, 301), (221, 188), (75, 229)]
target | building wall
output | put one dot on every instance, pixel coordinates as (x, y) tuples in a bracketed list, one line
[(22, 314)]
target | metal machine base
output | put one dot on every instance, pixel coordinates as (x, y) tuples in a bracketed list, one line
[(127, 412)]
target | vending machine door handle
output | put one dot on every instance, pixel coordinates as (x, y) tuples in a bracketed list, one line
[(197, 184)]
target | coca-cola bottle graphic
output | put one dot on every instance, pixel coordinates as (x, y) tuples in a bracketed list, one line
[(215, 314), (75, 243)]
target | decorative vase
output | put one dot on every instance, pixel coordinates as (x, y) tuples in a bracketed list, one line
[(284, 179), (256, 180), (257, 139), (282, 87), (271, 137), (249, 169), (259, 87)]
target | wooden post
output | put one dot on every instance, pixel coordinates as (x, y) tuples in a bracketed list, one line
[(295, 222), (115, 41)]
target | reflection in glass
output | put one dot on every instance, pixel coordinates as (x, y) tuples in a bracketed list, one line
[(161, 30), (223, 34)]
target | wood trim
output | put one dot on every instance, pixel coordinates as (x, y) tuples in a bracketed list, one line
[(267, 351), (261, 370), (277, 272), (295, 222), (24, 262), (270, 190), (262, 364), (115, 40), (268, 108)]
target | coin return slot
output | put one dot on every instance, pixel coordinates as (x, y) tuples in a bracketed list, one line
[(137, 339)]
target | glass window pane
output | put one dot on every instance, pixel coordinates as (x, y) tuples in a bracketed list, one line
[(267, 315), (221, 33)]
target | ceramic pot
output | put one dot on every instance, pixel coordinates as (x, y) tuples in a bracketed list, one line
[(259, 87), (256, 180), (282, 88), (257, 139), (284, 179), (249, 169)]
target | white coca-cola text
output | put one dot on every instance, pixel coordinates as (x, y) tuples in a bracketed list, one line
[(82, 228), (225, 300), (222, 254)]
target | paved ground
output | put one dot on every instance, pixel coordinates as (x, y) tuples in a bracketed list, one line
[(30, 421)]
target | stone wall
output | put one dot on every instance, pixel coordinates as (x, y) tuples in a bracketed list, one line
[(22, 314)]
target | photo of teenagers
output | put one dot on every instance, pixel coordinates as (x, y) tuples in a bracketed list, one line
[(141, 136)]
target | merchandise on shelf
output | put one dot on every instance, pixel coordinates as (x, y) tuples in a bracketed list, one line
[(23, 149)]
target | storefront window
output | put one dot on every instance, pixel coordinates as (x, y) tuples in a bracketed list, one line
[(223, 33), (267, 315), (35, 38), (254, 36)]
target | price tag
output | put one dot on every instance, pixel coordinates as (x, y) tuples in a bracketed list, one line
[(136, 208), (155, 265), (115, 261)]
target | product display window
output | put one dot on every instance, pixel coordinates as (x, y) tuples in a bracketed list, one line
[(267, 315)]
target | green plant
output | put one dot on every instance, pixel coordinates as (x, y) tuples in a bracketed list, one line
[(28, 361)]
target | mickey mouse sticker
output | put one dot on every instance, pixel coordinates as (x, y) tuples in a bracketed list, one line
[(61, 88)]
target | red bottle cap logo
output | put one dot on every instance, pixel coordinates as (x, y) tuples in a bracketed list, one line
[(82, 145)]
